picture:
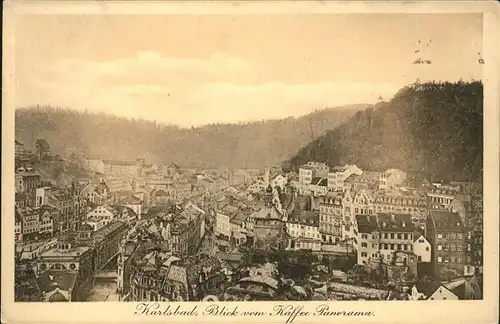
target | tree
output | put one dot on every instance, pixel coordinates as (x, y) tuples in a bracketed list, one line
[(42, 147)]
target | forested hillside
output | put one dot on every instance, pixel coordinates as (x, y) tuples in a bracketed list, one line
[(244, 145), (433, 128)]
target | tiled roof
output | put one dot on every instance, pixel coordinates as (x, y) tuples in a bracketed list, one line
[(366, 223), (310, 218), (395, 222), (446, 220)]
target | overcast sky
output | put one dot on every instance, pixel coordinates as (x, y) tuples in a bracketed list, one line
[(193, 70)]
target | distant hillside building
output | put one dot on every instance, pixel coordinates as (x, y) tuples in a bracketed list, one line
[(338, 174), (19, 148), (392, 178)]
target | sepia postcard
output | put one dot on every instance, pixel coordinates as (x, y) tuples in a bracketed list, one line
[(269, 162)]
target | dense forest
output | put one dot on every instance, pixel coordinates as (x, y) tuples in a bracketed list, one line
[(432, 128), (244, 145)]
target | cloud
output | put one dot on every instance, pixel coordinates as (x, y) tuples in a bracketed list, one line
[(185, 91)]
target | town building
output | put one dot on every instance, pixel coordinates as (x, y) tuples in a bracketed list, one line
[(445, 232), (381, 235), (441, 198), (402, 202), (19, 148), (331, 211), (392, 178), (422, 249), (30, 224), (318, 186), (27, 182), (312, 170), (303, 228), (368, 180), (105, 213), (338, 174), (69, 265)]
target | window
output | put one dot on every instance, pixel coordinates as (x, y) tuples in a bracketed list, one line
[(427, 249), (364, 236), (452, 259), (446, 247), (363, 254), (392, 235), (459, 247), (439, 235), (439, 259), (446, 259), (459, 236), (374, 245), (453, 247), (392, 246), (459, 259), (453, 235), (439, 247)]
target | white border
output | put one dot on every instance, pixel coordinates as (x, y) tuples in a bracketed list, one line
[(484, 311)]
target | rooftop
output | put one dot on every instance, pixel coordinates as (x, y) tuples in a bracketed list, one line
[(304, 217), (446, 220), (73, 252), (109, 228)]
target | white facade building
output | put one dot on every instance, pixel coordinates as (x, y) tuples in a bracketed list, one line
[(422, 249)]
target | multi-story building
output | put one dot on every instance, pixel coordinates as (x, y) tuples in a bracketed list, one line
[(106, 242), (368, 180), (19, 148), (187, 230), (46, 224), (105, 213), (27, 182), (441, 197), (30, 223), (18, 223), (446, 234), (391, 178), (338, 174), (331, 211), (305, 174), (65, 270), (303, 228), (381, 235), (122, 168), (400, 202), (343, 201)]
